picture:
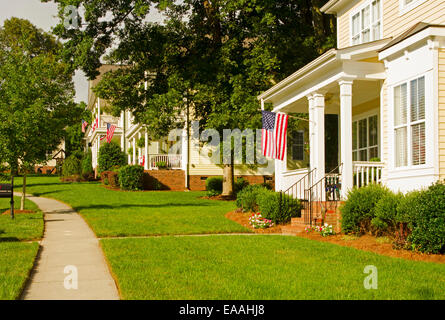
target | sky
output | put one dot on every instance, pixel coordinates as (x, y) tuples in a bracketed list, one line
[(44, 16)]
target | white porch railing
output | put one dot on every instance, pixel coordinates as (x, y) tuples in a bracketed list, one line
[(366, 173), (172, 161)]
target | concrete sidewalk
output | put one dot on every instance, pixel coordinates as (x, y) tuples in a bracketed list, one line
[(68, 246)]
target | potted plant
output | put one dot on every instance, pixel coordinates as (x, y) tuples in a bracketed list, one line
[(161, 165)]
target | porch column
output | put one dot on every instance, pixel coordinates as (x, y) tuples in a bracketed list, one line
[(139, 149), (319, 138), (146, 151), (312, 147), (346, 135), (134, 151)]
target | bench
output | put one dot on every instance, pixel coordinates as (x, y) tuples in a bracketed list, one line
[(6, 190)]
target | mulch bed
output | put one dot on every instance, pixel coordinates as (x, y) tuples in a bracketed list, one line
[(243, 219), (366, 242), (373, 244), (8, 212)]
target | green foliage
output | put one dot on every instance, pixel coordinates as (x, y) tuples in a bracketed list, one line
[(161, 165), (428, 222), (71, 166), (214, 186), (408, 208), (230, 58), (386, 213), (247, 198), (131, 178), (141, 143), (87, 165), (111, 155), (278, 207), (240, 184), (359, 208), (36, 95)]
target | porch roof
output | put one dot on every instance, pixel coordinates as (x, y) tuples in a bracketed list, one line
[(359, 62)]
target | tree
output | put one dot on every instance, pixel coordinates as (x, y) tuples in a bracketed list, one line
[(214, 56), (36, 96)]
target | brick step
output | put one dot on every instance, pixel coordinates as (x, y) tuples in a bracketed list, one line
[(292, 230)]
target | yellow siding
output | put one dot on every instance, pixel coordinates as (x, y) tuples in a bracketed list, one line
[(430, 11), (202, 166), (442, 114), (343, 21)]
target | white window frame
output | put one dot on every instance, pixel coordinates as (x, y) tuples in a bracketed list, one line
[(409, 124), (404, 7), (366, 116), (293, 144), (372, 23)]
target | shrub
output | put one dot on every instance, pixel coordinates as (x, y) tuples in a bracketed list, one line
[(111, 155), (71, 166), (87, 166), (359, 208), (214, 186), (247, 198), (428, 221), (278, 207), (240, 184), (131, 178), (110, 178), (386, 212)]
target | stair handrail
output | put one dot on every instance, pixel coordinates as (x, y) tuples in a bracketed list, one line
[(302, 180), (309, 193)]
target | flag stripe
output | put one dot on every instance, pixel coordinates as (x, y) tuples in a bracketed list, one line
[(274, 134)]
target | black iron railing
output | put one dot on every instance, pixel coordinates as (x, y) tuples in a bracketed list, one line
[(323, 195), (294, 198)]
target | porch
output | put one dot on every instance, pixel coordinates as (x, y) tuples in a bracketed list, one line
[(341, 90)]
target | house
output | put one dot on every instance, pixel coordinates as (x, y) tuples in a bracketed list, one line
[(183, 154), (384, 86)]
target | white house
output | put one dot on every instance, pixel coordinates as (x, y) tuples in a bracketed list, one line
[(386, 84)]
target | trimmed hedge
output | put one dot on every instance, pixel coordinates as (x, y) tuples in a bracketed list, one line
[(385, 220), (272, 205), (247, 198), (110, 156), (359, 210), (278, 207), (416, 220), (131, 178), (214, 186), (71, 167), (428, 220)]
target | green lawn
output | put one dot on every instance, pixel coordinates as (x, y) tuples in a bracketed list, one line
[(17, 258), (116, 214), (262, 267), (24, 226)]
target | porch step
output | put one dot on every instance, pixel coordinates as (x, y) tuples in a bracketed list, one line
[(292, 230)]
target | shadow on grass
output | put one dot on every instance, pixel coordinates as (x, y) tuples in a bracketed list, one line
[(151, 206), (7, 239)]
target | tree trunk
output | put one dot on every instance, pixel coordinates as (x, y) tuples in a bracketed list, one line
[(22, 203), (228, 184)]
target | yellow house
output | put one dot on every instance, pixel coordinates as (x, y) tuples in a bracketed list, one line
[(385, 85)]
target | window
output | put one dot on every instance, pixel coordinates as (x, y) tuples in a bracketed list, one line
[(409, 123), (365, 139), (297, 146), (407, 5), (366, 24)]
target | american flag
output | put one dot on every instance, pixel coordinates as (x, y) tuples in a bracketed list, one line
[(96, 124), (84, 125), (274, 134), (110, 132), (142, 161)]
